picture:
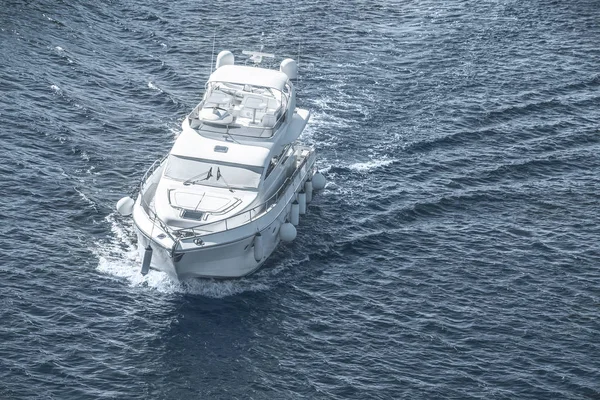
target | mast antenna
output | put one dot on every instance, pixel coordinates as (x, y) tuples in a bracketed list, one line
[(298, 64), (212, 56)]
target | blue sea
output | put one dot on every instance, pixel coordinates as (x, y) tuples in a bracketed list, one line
[(454, 254)]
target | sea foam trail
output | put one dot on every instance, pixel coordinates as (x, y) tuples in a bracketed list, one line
[(371, 165), (152, 85)]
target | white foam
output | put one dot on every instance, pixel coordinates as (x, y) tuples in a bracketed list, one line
[(219, 289), (61, 52), (371, 165), (175, 132), (285, 266), (126, 265), (322, 118), (152, 86), (55, 89), (314, 134), (119, 256), (86, 199)]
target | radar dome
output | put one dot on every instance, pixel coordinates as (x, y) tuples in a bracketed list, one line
[(289, 67), (224, 58)]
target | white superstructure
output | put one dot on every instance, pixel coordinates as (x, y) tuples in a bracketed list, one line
[(235, 181)]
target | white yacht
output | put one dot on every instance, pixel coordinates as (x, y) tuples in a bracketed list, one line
[(235, 182)]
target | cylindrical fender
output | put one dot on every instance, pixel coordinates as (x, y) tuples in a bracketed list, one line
[(295, 213), (302, 203), (147, 260), (259, 251), (308, 188)]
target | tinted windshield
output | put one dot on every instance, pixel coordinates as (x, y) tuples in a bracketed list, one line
[(204, 172)]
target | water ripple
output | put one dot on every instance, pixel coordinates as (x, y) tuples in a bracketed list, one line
[(453, 253)]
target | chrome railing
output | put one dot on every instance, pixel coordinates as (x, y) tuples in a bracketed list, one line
[(146, 206), (155, 165)]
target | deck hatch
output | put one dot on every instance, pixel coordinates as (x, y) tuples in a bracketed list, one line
[(192, 214)]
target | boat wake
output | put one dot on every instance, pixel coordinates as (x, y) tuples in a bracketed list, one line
[(371, 165), (118, 258)]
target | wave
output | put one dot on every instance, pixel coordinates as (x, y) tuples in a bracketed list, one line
[(369, 166), (91, 203), (152, 85), (62, 53)]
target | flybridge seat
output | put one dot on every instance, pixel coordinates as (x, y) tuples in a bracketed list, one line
[(215, 116), (250, 105), (241, 108), (218, 99)]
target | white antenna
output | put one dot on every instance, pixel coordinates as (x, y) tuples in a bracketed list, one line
[(257, 56), (212, 56), (298, 64)]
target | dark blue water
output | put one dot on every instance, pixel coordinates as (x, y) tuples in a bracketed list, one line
[(455, 252)]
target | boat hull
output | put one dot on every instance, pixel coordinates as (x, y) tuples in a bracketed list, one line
[(234, 259)]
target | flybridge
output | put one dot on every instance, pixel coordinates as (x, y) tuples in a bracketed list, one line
[(249, 102)]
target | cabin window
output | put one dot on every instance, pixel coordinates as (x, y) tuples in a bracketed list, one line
[(277, 159), (194, 171)]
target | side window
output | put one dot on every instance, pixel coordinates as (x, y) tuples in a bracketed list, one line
[(271, 166), (281, 158), (287, 91)]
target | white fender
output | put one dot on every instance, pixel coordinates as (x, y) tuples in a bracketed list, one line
[(308, 188), (295, 213), (302, 203), (259, 251), (318, 181), (287, 232), (147, 260), (125, 206)]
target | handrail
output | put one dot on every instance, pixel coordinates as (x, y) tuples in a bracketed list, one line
[(153, 216), (155, 165)]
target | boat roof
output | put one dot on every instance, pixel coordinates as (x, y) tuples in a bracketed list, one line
[(191, 144), (245, 75)]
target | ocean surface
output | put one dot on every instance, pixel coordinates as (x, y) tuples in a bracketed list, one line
[(454, 254)]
